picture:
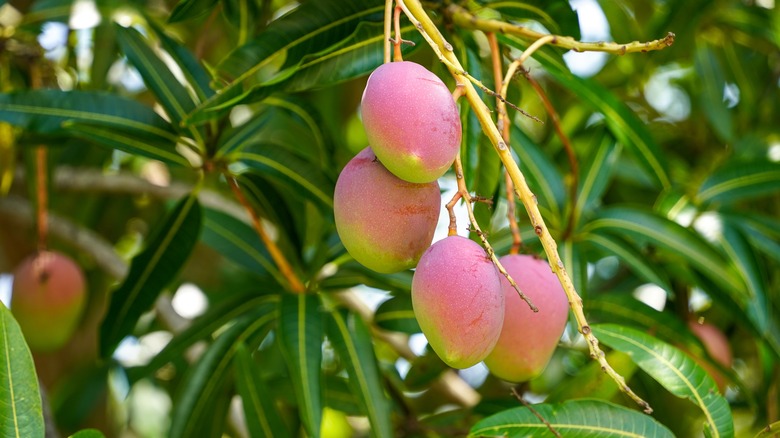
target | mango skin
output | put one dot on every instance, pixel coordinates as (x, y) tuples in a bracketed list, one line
[(528, 339), (411, 121), (47, 300), (384, 222), (457, 300)]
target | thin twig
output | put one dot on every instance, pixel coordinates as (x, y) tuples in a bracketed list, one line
[(462, 18), (520, 398), (425, 25), (276, 254)]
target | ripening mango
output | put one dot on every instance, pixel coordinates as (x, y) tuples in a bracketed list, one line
[(717, 346), (411, 121), (457, 300), (385, 223), (528, 339), (47, 299)]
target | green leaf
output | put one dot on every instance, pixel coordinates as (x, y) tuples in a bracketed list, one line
[(262, 417), (151, 271), (711, 79), (187, 9), (203, 382), (542, 175), (396, 314), (21, 413), (610, 244), (339, 396), (171, 94), (596, 174), (647, 226), (675, 371), (285, 168), (238, 242), (311, 28), (556, 16), (54, 113), (206, 325), (424, 370), (301, 327), (740, 182), (581, 418), (352, 340), (576, 264), (88, 433), (592, 381)]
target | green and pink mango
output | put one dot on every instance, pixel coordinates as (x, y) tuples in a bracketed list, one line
[(385, 223), (717, 346), (528, 339), (457, 300), (411, 121), (47, 299)]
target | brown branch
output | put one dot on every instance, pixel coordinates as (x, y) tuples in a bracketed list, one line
[(520, 398)]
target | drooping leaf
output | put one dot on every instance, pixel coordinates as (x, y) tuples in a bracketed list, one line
[(675, 371), (275, 163), (171, 94), (53, 112), (238, 242), (339, 396), (262, 417), (206, 325), (740, 182), (203, 382), (543, 177), (88, 433), (187, 9), (609, 244), (21, 413), (712, 82), (592, 381), (591, 418), (396, 314), (595, 174), (151, 271), (557, 16), (424, 370), (352, 340), (301, 328)]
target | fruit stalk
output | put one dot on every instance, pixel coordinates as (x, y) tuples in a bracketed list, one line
[(418, 16)]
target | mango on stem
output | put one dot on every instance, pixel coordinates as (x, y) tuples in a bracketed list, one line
[(48, 296), (528, 339), (411, 121), (385, 223), (457, 300)]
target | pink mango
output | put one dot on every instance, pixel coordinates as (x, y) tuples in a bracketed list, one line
[(385, 223), (47, 299), (457, 300), (411, 121), (528, 339)]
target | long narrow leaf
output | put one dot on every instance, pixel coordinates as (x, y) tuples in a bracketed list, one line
[(740, 182), (151, 271), (591, 418), (300, 334), (352, 340), (21, 413), (633, 259), (596, 174), (673, 369), (262, 417), (124, 141)]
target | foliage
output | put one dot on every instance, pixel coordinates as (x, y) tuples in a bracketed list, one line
[(199, 141)]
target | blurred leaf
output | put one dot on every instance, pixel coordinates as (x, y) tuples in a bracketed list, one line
[(542, 175), (424, 370), (353, 274), (238, 242), (762, 231), (640, 264), (647, 226), (339, 396), (712, 82), (556, 16), (7, 157), (673, 369), (151, 271), (244, 16), (206, 325), (740, 182), (262, 417), (193, 71), (301, 327), (396, 314), (271, 161), (202, 384), (171, 94), (274, 205), (53, 112), (591, 418), (88, 433), (274, 55), (591, 381), (187, 9), (352, 340), (596, 173), (21, 411), (576, 264)]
